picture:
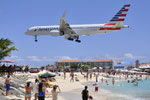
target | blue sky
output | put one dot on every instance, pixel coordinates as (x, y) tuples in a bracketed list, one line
[(16, 16)]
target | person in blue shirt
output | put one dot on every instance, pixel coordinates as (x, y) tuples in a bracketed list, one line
[(41, 92)]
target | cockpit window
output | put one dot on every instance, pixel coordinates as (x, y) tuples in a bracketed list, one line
[(32, 29)]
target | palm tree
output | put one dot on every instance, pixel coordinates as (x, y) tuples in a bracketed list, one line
[(6, 46)]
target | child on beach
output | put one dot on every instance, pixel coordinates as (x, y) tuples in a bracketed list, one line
[(113, 81), (90, 98), (106, 82), (96, 86)]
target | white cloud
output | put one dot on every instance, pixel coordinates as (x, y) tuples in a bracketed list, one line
[(59, 58), (34, 58), (15, 58), (46, 59), (113, 57), (131, 56)]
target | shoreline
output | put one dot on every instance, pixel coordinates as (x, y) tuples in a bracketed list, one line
[(70, 90)]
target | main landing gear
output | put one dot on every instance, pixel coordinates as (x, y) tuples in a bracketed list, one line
[(71, 39), (36, 38), (77, 40)]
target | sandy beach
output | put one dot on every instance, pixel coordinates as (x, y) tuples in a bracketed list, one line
[(69, 90), (72, 90)]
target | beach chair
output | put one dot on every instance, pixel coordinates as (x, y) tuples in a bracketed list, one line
[(76, 79), (51, 85)]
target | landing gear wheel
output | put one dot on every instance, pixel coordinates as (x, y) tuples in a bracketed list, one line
[(78, 41), (36, 38), (71, 39)]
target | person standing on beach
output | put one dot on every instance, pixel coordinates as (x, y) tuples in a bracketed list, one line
[(41, 92), (96, 86), (90, 76), (72, 76), (87, 76), (85, 94), (90, 98), (106, 82), (55, 92), (113, 81), (7, 85), (28, 89), (35, 88), (64, 74), (81, 71), (97, 77), (102, 80)]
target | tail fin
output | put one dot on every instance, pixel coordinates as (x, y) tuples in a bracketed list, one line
[(119, 18)]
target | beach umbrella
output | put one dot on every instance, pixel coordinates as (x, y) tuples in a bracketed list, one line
[(7, 61), (94, 68), (136, 69), (46, 75)]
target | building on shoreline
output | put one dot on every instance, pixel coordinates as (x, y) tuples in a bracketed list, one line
[(91, 64), (145, 67)]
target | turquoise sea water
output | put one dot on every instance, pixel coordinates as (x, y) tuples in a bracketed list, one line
[(127, 91)]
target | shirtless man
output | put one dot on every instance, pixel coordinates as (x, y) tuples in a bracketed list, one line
[(55, 92), (85, 94), (7, 85), (28, 89)]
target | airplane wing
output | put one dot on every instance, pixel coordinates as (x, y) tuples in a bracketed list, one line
[(66, 30)]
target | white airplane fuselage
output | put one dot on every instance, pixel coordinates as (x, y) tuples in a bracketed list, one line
[(72, 32), (85, 29)]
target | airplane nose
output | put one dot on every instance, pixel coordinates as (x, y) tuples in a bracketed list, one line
[(27, 33)]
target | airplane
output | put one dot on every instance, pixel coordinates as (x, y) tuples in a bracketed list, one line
[(72, 32)]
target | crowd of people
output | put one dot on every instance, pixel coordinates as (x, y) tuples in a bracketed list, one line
[(39, 90)]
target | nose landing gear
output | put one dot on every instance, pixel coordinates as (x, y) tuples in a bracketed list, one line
[(36, 38)]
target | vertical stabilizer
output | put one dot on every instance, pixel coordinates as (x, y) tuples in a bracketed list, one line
[(119, 18)]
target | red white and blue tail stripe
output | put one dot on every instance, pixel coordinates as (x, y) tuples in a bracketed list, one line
[(120, 16)]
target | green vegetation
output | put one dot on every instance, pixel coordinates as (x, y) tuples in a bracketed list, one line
[(85, 67), (74, 66), (6, 47)]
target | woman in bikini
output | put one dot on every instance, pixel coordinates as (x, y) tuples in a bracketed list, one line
[(28, 89), (55, 93)]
